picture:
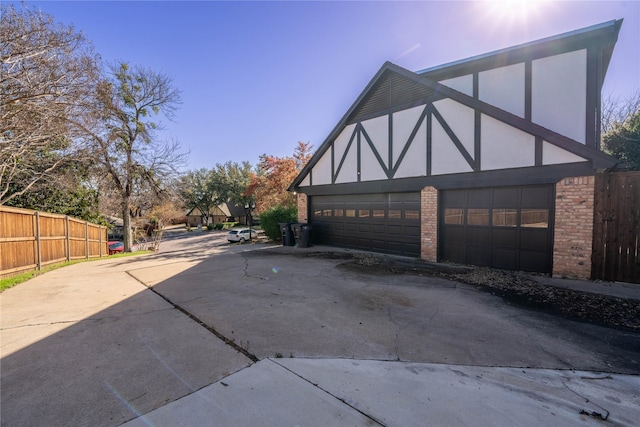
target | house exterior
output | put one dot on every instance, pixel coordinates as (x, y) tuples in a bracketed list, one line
[(487, 161), (217, 215)]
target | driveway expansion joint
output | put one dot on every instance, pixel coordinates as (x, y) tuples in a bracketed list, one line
[(370, 417), (220, 336)]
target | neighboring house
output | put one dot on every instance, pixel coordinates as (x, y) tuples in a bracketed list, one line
[(116, 232), (487, 161), (217, 215)]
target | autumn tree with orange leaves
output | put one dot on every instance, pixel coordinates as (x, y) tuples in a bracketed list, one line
[(268, 187)]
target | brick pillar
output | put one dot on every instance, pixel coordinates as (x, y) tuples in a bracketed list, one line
[(302, 208), (429, 224), (573, 234)]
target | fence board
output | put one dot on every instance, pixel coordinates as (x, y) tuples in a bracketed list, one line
[(61, 238), (616, 236)]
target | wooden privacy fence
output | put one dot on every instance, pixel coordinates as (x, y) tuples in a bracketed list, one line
[(30, 240), (616, 227)]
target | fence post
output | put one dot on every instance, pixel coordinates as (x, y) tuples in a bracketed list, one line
[(86, 239), (66, 221), (39, 249), (100, 240)]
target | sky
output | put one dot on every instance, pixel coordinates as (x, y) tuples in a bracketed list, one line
[(257, 77)]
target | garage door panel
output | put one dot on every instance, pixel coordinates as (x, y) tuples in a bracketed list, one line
[(504, 237), (504, 258), (372, 221), (534, 261), (455, 253), (479, 255), (478, 236), (534, 239), (512, 224)]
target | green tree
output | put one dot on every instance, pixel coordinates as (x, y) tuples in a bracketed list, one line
[(229, 182), (623, 142), (271, 218), (197, 191)]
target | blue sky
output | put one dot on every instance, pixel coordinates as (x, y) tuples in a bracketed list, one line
[(256, 77)]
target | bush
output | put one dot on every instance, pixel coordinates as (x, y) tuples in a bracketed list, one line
[(270, 220), (218, 226), (210, 227)]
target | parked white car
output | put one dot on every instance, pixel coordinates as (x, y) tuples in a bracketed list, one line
[(242, 234)]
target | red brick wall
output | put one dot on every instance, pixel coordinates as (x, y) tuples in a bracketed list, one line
[(573, 234), (302, 208), (429, 224)]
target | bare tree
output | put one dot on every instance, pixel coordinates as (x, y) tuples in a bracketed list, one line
[(47, 74), (126, 146), (617, 110)]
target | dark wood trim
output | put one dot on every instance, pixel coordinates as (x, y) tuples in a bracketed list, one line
[(390, 139), (358, 152), (538, 151), (454, 138), (528, 94), (591, 89), (476, 85), (517, 176), (477, 137), (429, 141)]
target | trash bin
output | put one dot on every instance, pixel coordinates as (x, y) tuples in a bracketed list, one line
[(301, 234), (304, 240), (287, 234)]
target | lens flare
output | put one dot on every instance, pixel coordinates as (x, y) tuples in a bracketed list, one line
[(274, 269)]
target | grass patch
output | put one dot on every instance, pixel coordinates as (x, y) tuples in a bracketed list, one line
[(12, 281)]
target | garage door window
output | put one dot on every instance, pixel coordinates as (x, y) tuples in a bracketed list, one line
[(454, 216), (351, 213), (395, 214), (535, 218), (505, 217), (378, 213), (478, 217)]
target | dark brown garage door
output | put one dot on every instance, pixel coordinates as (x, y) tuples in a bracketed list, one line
[(505, 227), (387, 223)]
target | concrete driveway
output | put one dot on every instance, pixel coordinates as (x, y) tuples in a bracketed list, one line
[(109, 341)]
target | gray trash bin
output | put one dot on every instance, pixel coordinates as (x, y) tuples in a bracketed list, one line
[(287, 234), (305, 236)]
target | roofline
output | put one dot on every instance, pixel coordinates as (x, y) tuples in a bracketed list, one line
[(613, 26)]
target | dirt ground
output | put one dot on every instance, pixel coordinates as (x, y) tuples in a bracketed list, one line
[(513, 287)]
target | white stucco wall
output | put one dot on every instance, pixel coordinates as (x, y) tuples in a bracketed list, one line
[(503, 146), (504, 88), (445, 155), (322, 170), (349, 171), (461, 120), (559, 90), (378, 131), (462, 84), (553, 155)]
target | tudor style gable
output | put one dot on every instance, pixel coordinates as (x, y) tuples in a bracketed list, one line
[(532, 106)]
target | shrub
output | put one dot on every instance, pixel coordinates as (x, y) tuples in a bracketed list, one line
[(218, 226), (210, 227), (270, 220)]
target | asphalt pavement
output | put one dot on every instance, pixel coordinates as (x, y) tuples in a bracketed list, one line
[(210, 333)]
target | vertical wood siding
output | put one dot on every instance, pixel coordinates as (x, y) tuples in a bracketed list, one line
[(616, 236), (30, 240)]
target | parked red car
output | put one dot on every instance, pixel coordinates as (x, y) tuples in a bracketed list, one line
[(115, 247)]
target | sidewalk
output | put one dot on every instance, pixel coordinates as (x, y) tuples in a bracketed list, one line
[(338, 392)]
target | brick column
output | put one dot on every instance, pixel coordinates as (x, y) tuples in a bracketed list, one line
[(302, 208), (573, 233), (429, 224)]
